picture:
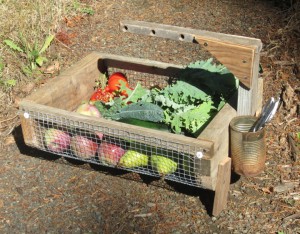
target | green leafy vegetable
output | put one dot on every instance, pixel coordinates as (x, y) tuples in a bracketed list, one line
[(193, 119), (186, 105), (146, 124), (139, 93), (142, 111), (211, 78), (200, 91), (109, 109)]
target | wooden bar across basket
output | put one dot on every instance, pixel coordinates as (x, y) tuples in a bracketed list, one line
[(201, 162)]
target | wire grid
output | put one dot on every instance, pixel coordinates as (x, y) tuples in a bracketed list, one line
[(113, 147), (147, 80)]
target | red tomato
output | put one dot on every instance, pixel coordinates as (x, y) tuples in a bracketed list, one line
[(114, 81), (101, 95)]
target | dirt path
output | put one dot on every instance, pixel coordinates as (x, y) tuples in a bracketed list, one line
[(41, 193)]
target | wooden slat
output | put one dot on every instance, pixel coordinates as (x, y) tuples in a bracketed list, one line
[(222, 188), (183, 33), (249, 100)]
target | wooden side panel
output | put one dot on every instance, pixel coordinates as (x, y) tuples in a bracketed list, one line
[(218, 132), (182, 33), (222, 188), (260, 95), (71, 87)]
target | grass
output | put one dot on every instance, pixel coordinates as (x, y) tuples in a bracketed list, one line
[(35, 20), (24, 43)]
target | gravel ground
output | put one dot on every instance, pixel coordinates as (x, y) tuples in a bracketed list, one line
[(42, 193)]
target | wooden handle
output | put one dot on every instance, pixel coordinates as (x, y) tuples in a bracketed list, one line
[(235, 52)]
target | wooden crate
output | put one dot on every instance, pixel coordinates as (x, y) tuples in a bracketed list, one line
[(53, 106)]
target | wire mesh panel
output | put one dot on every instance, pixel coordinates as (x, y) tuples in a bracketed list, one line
[(114, 147), (147, 76)]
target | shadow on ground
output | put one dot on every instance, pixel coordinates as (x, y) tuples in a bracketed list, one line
[(205, 196)]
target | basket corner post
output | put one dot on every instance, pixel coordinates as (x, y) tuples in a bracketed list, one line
[(222, 186)]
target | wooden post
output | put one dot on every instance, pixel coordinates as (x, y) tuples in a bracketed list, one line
[(222, 187)]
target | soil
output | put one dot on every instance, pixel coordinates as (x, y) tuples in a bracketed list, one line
[(42, 193)]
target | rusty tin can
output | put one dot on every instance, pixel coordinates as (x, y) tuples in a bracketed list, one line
[(248, 149)]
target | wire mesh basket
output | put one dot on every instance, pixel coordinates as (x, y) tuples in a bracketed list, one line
[(50, 124)]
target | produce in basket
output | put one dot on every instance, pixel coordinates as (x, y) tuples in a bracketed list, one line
[(114, 82), (88, 109), (83, 147), (110, 153), (186, 105), (103, 95), (133, 159), (163, 165), (56, 140)]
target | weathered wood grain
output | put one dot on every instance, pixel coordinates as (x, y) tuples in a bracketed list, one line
[(222, 188), (238, 59), (218, 132)]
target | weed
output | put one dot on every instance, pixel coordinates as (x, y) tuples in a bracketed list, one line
[(32, 53), (80, 8), (6, 83)]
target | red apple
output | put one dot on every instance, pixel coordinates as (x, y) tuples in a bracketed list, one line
[(56, 140), (88, 109), (110, 153), (83, 147)]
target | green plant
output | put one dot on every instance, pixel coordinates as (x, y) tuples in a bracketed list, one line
[(33, 53), (80, 8), (7, 83)]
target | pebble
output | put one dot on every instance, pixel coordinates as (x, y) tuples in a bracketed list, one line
[(282, 140), (150, 204)]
